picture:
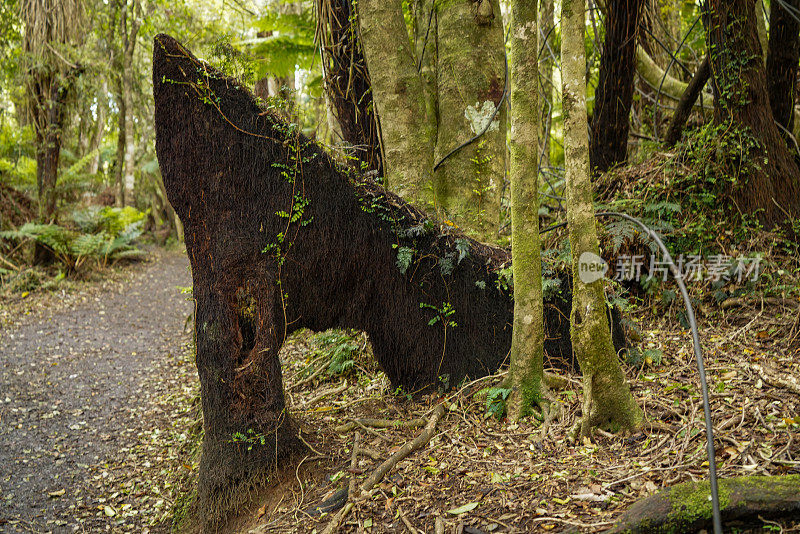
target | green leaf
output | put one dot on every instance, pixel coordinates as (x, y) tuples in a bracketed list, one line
[(463, 509)]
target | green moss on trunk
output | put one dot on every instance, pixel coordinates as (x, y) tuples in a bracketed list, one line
[(607, 397), (470, 78), (528, 334)]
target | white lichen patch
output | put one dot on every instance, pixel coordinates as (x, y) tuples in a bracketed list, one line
[(478, 116), (526, 31)]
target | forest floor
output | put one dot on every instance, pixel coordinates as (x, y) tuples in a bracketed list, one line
[(479, 474), (99, 422), (94, 380)]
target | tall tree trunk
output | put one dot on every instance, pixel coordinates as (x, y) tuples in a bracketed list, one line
[(761, 27), (546, 49), (470, 77), (782, 60), (48, 79), (766, 179), (129, 25), (607, 397), (119, 165), (48, 113), (527, 338), (347, 82), (406, 128), (100, 127), (614, 94)]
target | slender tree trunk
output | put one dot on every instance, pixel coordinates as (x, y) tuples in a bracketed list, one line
[(761, 26), (406, 128), (614, 94), (129, 24), (527, 340), (347, 82), (546, 48), (767, 179), (119, 165), (607, 397), (470, 71), (782, 60), (100, 127), (687, 102)]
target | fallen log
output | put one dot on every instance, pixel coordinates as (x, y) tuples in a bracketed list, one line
[(282, 237), (687, 507)]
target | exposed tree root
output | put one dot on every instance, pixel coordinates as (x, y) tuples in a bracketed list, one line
[(380, 423), (687, 507), (377, 475)]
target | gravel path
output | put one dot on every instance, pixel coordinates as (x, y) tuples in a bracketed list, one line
[(75, 394)]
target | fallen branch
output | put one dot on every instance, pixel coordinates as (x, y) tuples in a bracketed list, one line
[(743, 301), (789, 382), (411, 528), (7, 262), (687, 508), (377, 475), (308, 379), (380, 423), (419, 442), (334, 391)]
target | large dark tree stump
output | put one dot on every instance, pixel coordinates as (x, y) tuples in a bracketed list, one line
[(280, 238)]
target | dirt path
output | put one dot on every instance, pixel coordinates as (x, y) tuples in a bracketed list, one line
[(76, 394)]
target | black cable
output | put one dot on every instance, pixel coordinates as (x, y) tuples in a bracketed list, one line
[(427, 31), (712, 466), (789, 9), (488, 123)]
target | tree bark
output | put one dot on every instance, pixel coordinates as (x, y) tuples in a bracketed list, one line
[(527, 338), (687, 102), (546, 50), (782, 60), (470, 71), (100, 127), (49, 112), (614, 94), (347, 83), (406, 128), (119, 164), (607, 397), (765, 180)]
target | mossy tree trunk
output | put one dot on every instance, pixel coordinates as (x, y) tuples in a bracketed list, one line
[(614, 94), (782, 60), (765, 179), (527, 338), (435, 94), (406, 127), (470, 81), (607, 397)]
